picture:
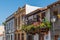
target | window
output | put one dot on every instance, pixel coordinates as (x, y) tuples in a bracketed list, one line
[(46, 37), (22, 36), (9, 27), (35, 18), (16, 23), (26, 21), (8, 37), (19, 21), (18, 36), (15, 37), (55, 13), (38, 18), (11, 37), (23, 18), (43, 15), (30, 21), (30, 37)]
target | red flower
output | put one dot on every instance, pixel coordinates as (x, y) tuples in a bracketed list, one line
[(36, 23)]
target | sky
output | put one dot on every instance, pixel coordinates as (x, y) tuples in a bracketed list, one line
[(8, 7)]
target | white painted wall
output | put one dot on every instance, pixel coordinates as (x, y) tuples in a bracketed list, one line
[(30, 8), (10, 29), (48, 14), (10, 25), (31, 17)]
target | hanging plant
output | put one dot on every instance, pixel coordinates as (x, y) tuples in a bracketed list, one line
[(33, 27), (48, 24), (42, 25)]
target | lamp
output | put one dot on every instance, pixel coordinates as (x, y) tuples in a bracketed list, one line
[(53, 19)]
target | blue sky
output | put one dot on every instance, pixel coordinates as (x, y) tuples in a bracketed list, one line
[(7, 7)]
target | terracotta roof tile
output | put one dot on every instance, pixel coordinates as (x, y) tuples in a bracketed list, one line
[(58, 2)]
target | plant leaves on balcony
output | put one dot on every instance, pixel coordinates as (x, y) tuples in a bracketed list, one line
[(44, 24)]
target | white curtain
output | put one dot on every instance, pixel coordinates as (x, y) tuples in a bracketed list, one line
[(47, 36), (36, 37)]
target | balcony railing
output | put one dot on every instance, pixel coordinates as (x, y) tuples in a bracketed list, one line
[(36, 26)]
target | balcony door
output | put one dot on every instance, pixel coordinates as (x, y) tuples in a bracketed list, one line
[(36, 37), (29, 37), (41, 36), (33, 37)]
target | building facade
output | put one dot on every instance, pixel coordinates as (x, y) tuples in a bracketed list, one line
[(15, 21), (28, 15), (35, 18), (19, 21), (55, 13), (9, 28), (1, 32), (21, 18)]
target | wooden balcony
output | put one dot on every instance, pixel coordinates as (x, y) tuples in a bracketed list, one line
[(42, 31), (37, 27)]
